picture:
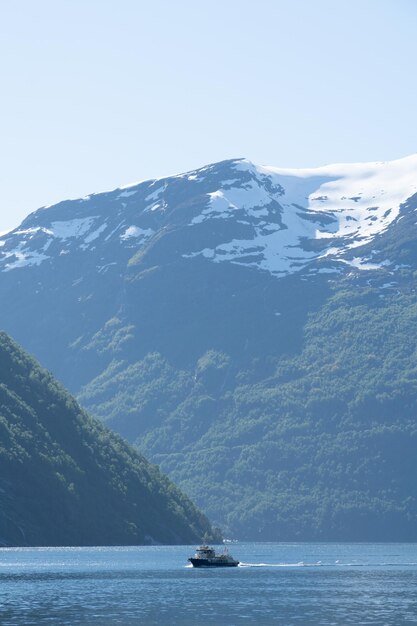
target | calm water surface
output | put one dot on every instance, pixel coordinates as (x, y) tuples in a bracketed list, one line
[(287, 583)]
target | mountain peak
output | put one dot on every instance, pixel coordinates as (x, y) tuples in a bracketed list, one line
[(272, 219)]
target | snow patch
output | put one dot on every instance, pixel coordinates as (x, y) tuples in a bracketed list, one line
[(33, 231), (72, 228), (350, 194), (114, 230), (154, 207), (23, 258), (127, 194), (223, 204), (95, 234), (338, 207), (135, 231), (155, 194), (363, 264), (103, 268)]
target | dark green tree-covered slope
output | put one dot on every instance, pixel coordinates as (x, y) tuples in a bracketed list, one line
[(66, 480)]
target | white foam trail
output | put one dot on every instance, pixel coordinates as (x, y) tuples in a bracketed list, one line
[(334, 564), (281, 564)]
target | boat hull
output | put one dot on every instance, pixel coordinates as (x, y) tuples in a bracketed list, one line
[(211, 563)]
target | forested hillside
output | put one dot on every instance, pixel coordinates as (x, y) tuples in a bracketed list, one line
[(321, 443), (66, 480)]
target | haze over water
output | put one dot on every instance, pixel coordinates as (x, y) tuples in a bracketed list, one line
[(308, 584)]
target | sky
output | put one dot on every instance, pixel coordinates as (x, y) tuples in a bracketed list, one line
[(97, 93)]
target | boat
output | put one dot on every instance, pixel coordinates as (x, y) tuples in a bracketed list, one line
[(207, 557)]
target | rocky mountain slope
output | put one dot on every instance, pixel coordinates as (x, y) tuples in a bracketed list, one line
[(66, 480), (251, 329)]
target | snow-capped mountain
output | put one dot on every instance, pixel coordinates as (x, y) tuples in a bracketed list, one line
[(252, 329), (275, 220)]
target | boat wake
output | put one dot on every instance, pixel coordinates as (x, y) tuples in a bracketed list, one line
[(320, 564), (280, 564)]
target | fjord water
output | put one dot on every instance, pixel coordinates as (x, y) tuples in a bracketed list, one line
[(277, 583)]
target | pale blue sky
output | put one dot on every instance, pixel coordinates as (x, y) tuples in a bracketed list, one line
[(100, 93)]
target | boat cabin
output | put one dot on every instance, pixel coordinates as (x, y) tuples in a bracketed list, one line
[(205, 552)]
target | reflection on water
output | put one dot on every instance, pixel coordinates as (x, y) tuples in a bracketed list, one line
[(306, 584)]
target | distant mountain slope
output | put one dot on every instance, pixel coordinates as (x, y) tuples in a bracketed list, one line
[(270, 218), (250, 329), (65, 480)]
